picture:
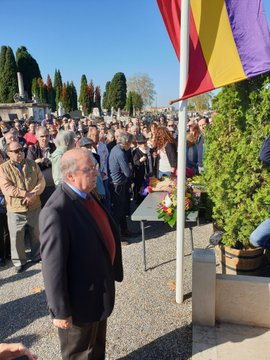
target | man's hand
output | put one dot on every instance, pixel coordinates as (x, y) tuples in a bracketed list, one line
[(13, 351), (143, 158), (39, 161), (29, 198), (63, 323)]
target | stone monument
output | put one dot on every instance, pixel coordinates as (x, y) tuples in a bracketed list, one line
[(22, 104)]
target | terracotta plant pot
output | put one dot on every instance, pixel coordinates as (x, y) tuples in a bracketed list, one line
[(241, 262)]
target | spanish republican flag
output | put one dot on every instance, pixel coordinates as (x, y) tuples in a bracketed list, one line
[(229, 41)]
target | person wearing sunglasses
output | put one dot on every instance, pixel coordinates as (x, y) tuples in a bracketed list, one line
[(40, 153), (22, 182)]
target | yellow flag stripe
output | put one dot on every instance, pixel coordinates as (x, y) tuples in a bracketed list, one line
[(217, 42)]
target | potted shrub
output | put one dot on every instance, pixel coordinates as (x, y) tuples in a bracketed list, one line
[(238, 184)]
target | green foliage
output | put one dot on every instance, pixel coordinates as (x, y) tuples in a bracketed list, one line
[(8, 75), (64, 99), (97, 100), (35, 88), (106, 96), (118, 91), (57, 84), (83, 92), (29, 68), (238, 184), (134, 102), (90, 97), (142, 84), (42, 91), (200, 102), (73, 96), (51, 94), (129, 104)]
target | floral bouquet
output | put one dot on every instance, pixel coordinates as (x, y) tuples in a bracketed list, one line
[(167, 208)]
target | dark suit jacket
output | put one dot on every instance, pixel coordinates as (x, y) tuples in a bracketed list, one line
[(78, 273)]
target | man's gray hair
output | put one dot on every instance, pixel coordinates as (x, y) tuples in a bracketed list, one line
[(123, 138), (69, 165), (65, 140), (43, 129)]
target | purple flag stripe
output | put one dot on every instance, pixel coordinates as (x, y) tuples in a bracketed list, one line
[(251, 34)]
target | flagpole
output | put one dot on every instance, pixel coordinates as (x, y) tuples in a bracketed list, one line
[(181, 155)]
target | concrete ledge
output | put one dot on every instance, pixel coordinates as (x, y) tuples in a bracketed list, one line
[(243, 300), (203, 287)]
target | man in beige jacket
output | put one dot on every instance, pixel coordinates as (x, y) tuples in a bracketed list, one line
[(21, 182)]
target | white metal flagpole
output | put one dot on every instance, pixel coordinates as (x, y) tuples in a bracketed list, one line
[(181, 157)]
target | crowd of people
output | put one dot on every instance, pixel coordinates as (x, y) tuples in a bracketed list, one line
[(66, 191), (126, 155)]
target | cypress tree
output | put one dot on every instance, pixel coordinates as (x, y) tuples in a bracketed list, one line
[(51, 93), (83, 93), (129, 104), (2, 67), (64, 97), (42, 91), (68, 105), (106, 95), (57, 84), (74, 98), (137, 101), (97, 101), (8, 77), (29, 68), (90, 97), (35, 88), (118, 91)]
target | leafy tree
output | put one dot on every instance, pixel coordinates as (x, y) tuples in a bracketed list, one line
[(97, 99), (83, 93), (237, 182), (90, 97), (74, 97), (143, 85), (57, 84), (29, 68), (2, 70), (35, 88), (118, 91), (51, 94), (129, 104), (106, 95), (69, 98), (200, 102), (134, 103), (8, 75), (42, 94), (137, 101), (64, 99)]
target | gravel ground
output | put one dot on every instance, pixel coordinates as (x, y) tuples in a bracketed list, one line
[(146, 323)]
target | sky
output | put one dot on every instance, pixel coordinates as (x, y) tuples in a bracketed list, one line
[(97, 38)]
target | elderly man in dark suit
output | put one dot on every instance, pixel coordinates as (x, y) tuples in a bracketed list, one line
[(81, 255)]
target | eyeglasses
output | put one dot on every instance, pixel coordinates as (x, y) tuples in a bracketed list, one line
[(16, 151), (89, 169)]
